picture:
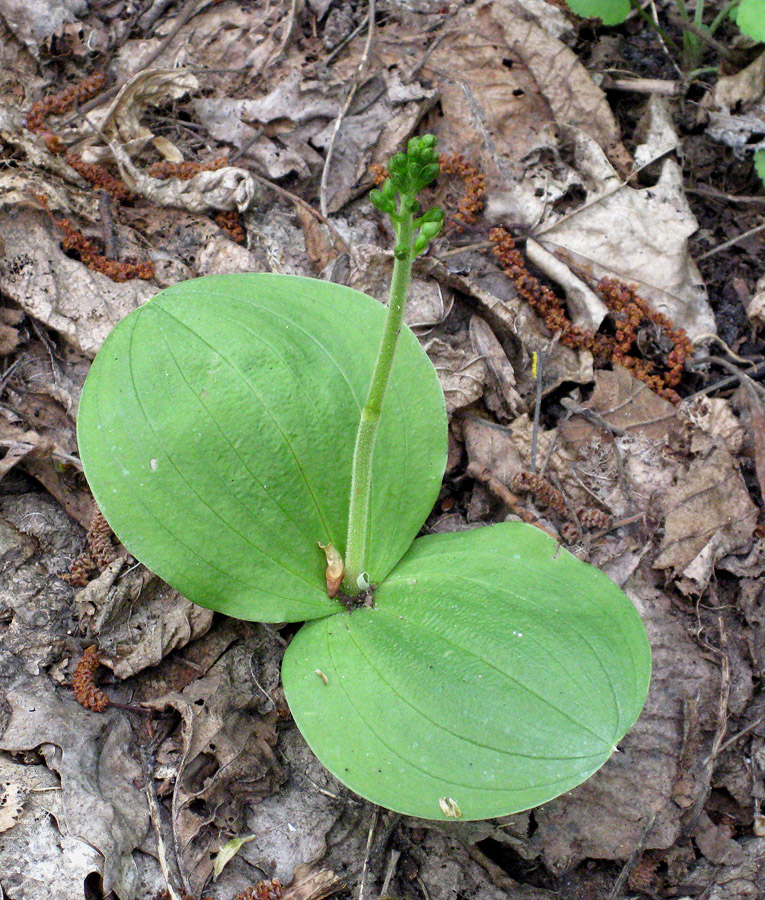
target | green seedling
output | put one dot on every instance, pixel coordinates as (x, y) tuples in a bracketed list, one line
[(271, 445), (749, 15)]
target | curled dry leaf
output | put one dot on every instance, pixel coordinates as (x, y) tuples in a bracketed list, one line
[(500, 393), (462, 372), (227, 188)]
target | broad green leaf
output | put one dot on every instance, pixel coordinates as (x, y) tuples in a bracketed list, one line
[(610, 12), (495, 672), (217, 427), (750, 18)]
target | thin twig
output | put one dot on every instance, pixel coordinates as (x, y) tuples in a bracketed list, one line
[(724, 246), (346, 40), (367, 851), (151, 796), (346, 106), (637, 852), (395, 855)]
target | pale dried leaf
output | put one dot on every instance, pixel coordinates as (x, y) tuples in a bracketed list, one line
[(91, 752), (35, 21), (755, 309), (714, 417), (745, 87), (639, 236), (81, 305), (12, 797), (655, 134)]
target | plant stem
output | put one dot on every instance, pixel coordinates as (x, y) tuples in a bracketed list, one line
[(361, 477)]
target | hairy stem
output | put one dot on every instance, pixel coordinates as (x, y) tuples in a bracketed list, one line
[(361, 477)]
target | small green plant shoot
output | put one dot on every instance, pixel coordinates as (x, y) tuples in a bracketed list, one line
[(271, 445), (749, 15)]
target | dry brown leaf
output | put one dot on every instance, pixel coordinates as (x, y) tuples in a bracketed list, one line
[(226, 757), (708, 514), (625, 403), (500, 394), (573, 98)]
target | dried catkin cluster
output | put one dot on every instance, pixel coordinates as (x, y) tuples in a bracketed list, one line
[(629, 312), (99, 553), (471, 204), (62, 102), (86, 692), (100, 541), (263, 890), (544, 493), (99, 177), (540, 488), (96, 175)]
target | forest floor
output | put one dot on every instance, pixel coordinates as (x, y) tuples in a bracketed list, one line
[(149, 142)]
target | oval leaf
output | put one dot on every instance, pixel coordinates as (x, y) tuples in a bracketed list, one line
[(610, 12), (750, 18), (495, 672), (217, 427)]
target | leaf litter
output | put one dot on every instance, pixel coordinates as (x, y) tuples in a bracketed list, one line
[(678, 484)]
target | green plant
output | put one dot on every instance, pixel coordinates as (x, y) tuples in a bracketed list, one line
[(748, 14), (236, 429)]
